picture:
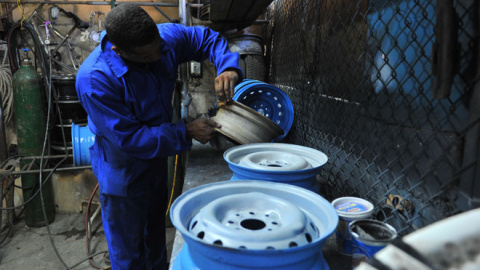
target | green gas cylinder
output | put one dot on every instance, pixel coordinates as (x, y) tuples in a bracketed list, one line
[(30, 114)]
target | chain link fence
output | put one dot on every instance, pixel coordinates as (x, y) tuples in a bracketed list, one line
[(362, 77)]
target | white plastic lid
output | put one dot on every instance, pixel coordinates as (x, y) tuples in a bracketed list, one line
[(353, 207)]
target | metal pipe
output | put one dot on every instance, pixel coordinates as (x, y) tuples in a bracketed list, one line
[(186, 99), (468, 183), (210, 23), (182, 11), (62, 169), (92, 3), (164, 14), (3, 138), (1, 198), (445, 54)]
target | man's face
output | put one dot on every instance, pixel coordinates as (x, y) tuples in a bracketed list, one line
[(142, 54)]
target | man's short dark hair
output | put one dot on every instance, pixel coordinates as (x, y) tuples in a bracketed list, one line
[(129, 26)]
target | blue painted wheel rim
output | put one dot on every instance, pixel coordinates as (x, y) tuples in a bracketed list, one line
[(276, 153), (200, 253), (269, 101), (82, 139)]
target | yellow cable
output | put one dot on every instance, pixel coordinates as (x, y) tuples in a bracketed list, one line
[(19, 2), (173, 185)]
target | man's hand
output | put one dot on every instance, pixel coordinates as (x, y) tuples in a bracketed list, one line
[(225, 85), (202, 129)]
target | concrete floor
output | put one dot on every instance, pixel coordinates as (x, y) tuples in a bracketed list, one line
[(30, 248)]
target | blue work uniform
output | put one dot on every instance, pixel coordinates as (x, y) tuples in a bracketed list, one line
[(130, 112)]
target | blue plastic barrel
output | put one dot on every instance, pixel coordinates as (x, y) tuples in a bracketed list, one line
[(82, 139), (267, 100)]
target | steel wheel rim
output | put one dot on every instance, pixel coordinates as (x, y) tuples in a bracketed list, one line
[(244, 125), (267, 100), (244, 167), (274, 161), (189, 204)]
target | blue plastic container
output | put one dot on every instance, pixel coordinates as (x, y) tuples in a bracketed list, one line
[(82, 139), (267, 100)]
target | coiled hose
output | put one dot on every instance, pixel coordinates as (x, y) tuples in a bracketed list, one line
[(6, 93)]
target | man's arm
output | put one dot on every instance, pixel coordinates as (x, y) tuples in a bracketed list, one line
[(201, 43), (114, 121)]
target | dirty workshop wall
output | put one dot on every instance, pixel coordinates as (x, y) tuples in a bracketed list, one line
[(82, 41), (386, 89), (91, 13)]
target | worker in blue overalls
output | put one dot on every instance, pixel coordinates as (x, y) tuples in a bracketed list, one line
[(126, 86)]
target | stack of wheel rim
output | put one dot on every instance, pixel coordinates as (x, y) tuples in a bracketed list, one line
[(267, 100), (252, 225), (70, 111)]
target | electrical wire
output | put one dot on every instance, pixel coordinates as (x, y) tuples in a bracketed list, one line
[(46, 72), (15, 33), (87, 234), (87, 226), (6, 93), (49, 102), (36, 192), (173, 185), (88, 258), (19, 3), (49, 98), (9, 158), (10, 226), (7, 234), (41, 58)]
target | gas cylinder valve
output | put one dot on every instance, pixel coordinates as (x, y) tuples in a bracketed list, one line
[(26, 59)]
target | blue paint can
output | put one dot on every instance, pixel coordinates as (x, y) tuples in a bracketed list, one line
[(369, 236), (348, 210)]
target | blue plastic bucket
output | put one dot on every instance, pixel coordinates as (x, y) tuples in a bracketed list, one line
[(267, 100), (82, 139)]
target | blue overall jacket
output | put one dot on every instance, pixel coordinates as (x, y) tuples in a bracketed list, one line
[(130, 109)]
